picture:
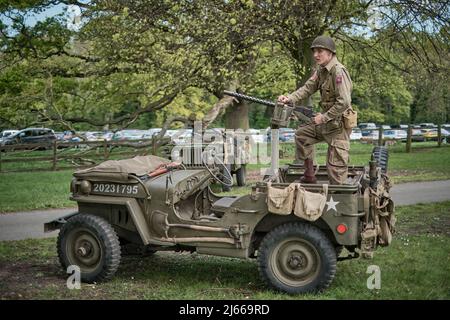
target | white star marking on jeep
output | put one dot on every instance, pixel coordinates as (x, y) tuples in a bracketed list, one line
[(332, 204)]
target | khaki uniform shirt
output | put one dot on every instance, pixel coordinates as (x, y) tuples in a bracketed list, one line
[(335, 85)]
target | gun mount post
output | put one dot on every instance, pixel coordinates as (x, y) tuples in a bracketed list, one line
[(275, 152)]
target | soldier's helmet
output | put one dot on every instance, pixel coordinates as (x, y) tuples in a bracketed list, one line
[(324, 42)]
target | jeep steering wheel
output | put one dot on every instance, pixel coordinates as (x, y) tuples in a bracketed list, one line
[(226, 179)]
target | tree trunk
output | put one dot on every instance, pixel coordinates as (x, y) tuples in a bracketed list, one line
[(223, 104), (236, 117), (307, 60)]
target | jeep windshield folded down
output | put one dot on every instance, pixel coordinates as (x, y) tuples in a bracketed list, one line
[(158, 205)]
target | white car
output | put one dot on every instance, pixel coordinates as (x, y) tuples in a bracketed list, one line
[(389, 134), (369, 135), (182, 136), (425, 125), (356, 134), (6, 133), (400, 134), (369, 125), (257, 135), (148, 134)]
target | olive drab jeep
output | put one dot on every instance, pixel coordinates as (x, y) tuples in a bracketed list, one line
[(297, 232)]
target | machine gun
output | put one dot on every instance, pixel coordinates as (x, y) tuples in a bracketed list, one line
[(280, 119), (282, 112)]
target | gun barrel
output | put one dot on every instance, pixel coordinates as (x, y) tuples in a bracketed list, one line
[(249, 98), (303, 110)]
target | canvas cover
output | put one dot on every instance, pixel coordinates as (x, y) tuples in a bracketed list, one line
[(120, 170), (310, 205), (280, 201), (305, 204)]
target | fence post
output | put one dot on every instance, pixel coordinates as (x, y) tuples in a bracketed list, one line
[(105, 149), (409, 139), (54, 155), (439, 136), (380, 136), (154, 145)]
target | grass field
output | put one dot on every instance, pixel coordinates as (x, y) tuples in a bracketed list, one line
[(415, 266), (38, 190)]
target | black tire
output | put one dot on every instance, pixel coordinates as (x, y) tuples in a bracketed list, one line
[(241, 175), (92, 244), (297, 258), (381, 156)]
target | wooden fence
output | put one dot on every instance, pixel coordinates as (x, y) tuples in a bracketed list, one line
[(384, 141), (66, 155)]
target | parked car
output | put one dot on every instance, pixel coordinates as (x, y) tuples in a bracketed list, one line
[(94, 136), (129, 134), (400, 134), (369, 135), (368, 125), (182, 136), (42, 136), (395, 134), (148, 134), (71, 136), (356, 134), (416, 136), (6, 133), (287, 135), (427, 125), (399, 126), (389, 134), (284, 135), (257, 135), (214, 135), (59, 136), (432, 134), (108, 135), (170, 133)]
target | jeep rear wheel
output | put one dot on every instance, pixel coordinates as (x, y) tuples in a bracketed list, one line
[(90, 243), (297, 258)]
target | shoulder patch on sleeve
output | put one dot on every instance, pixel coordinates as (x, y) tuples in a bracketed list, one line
[(338, 73), (314, 76)]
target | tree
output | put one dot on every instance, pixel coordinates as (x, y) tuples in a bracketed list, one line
[(131, 59)]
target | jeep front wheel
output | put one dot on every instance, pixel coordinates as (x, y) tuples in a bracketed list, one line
[(297, 258), (90, 243)]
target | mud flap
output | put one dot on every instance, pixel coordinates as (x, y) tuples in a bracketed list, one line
[(57, 224)]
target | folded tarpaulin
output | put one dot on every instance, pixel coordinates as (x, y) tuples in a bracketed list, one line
[(120, 170)]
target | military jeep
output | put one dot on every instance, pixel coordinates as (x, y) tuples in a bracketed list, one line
[(157, 205)]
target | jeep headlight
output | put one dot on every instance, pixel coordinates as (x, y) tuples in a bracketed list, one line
[(85, 187)]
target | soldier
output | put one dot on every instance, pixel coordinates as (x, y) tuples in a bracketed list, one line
[(335, 85)]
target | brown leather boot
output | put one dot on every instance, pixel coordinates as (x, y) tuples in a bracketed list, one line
[(309, 175)]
